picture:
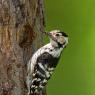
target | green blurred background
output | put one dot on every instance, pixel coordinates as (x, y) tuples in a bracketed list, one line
[(75, 74)]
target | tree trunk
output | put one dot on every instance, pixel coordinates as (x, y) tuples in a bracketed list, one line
[(20, 24)]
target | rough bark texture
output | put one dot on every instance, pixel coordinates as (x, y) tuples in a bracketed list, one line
[(20, 24)]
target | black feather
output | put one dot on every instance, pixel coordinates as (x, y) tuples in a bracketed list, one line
[(63, 34)]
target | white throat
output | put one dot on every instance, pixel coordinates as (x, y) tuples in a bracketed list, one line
[(53, 43)]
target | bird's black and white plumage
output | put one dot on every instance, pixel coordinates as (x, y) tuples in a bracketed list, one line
[(44, 61)]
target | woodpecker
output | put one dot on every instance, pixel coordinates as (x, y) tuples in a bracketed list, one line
[(44, 61)]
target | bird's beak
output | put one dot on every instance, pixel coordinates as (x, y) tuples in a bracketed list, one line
[(51, 36)]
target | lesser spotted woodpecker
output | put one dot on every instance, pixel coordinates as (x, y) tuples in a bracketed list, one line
[(44, 61)]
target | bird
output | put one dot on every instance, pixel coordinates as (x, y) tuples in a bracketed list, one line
[(44, 61)]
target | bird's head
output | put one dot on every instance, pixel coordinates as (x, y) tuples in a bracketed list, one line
[(58, 38)]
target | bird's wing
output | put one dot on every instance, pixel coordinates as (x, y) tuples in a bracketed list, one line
[(41, 71)]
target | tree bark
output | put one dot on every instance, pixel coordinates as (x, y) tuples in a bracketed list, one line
[(21, 23)]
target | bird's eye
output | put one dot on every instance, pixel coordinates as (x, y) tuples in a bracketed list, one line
[(57, 34)]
